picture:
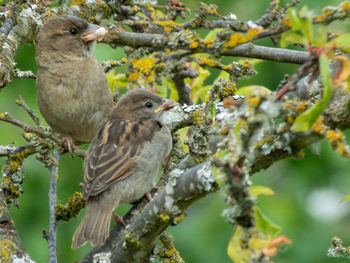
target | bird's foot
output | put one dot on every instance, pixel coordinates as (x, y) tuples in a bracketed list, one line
[(148, 196), (117, 219), (69, 142)]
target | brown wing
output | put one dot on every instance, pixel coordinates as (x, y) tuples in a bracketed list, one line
[(113, 153)]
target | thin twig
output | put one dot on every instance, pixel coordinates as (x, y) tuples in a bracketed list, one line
[(51, 239), (31, 113), (109, 64), (40, 131)]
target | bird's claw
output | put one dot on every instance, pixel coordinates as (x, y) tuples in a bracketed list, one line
[(68, 141), (117, 219)]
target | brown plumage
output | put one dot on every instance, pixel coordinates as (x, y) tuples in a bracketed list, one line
[(123, 161), (73, 93)]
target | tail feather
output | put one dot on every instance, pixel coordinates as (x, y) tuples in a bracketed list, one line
[(94, 226)]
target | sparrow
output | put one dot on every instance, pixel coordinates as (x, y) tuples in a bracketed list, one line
[(123, 161), (72, 89)]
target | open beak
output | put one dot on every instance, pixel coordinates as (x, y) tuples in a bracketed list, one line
[(166, 105), (93, 32)]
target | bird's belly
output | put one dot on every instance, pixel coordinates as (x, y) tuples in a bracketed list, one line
[(74, 110)]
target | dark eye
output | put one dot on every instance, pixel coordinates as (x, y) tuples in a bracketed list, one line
[(149, 104), (73, 31)]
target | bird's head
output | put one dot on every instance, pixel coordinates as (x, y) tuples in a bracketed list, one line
[(139, 104), (67, 36)]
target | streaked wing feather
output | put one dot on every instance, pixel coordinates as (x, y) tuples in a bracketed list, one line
[(114, 152)]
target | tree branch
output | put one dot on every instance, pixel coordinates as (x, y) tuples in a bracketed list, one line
[(160, 42), (24, 32), (51, 238), (135, 242), (11, 248), (42, 132)]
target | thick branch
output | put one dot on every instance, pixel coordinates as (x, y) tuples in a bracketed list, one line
[(160, 42), (24, 32), (267, 53), (11, 249), (135, 242)]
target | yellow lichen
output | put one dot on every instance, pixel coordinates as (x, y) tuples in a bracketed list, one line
[(253, 32), (144, 65), (235, 40), (7, 249), (301, 107), (77, 2), (209, 43), (128, 236), (170, 252), (319, 126), (168, 25), (290, 119), (208, 62), (194, 45), (247, 64), (253, 101), (71, 209), (286, 21), (133, 76), (164, 217), (179, 219), (342, 149), (345, 6), (334, 136)]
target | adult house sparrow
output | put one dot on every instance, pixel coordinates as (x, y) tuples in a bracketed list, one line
[(73, 92), (123, 161)]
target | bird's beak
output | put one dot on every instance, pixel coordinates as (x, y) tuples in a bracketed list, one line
[(166, 105), (93, 32)]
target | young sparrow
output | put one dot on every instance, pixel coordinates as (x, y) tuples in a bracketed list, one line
[(73, 93), (123, 161)]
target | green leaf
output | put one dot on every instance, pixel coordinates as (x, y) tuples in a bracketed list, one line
[(223, 75), (301, 29), (236, 131), (218, 176), (265, 226), (342, 42), (257, 190), (320, 38), (305, 120), (306, 24), (290, 37), (234, 249), (212, 33), (248, 91), (294, 19)]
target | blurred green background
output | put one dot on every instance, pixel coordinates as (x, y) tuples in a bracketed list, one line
[(307, 192)]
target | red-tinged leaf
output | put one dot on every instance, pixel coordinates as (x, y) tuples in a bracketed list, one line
[(343, 72)]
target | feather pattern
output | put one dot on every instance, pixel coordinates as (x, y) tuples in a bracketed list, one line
[(123, 161), (114, 153)]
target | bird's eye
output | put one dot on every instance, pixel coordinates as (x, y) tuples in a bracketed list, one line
[(73, 31), (149, 104)]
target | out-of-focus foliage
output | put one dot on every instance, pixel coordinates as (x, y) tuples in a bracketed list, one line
[(307, 192)]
